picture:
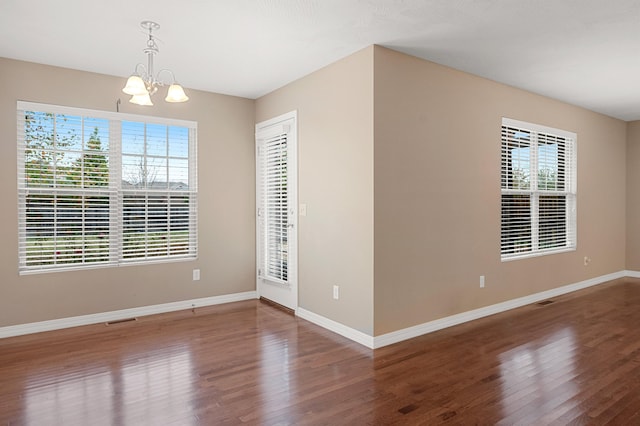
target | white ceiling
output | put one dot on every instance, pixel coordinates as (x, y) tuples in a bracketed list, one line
[(585, 52)]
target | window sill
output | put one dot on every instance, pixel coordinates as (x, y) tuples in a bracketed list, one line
[(536, 254)]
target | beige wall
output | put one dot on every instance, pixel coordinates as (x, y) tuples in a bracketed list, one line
[(633, 196), (335, 154), (437, 192), (380, 133), (226, 203)]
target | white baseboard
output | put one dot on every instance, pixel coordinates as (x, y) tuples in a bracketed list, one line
[(56, 324), (632, 274), (336, 327), (439, 324)]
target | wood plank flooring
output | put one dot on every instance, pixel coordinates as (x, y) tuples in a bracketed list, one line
[(573, 361)]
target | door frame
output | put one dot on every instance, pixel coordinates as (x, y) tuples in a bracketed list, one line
[(270, 290)]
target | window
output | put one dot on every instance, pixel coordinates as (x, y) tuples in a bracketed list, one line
[(101, 189), (538, 182)]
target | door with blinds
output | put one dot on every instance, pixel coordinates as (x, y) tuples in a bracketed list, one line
[(276, 215)]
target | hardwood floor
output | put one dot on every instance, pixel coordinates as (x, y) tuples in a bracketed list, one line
[(574, 361)]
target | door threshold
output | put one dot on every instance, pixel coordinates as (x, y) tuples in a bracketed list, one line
[(278, 306)]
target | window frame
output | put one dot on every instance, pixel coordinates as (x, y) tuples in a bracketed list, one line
[(568, 190), (115, 188)]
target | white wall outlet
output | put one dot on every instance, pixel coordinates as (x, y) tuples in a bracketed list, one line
[(196, 274), (481, 281), (587, 260), (336, 292)]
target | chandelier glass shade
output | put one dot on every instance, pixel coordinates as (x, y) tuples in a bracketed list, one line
[(143, 83)]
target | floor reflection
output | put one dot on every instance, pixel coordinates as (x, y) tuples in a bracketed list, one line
[(69, 400), (274, 378), (152, 389), (164, 382), (536, 375), (277, 379)]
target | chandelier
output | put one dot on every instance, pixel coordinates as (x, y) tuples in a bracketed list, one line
[(143, 83)]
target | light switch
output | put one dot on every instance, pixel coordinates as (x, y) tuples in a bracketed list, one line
[(303, 210)]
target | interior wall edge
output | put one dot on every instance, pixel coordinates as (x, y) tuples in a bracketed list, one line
[(336, 327)]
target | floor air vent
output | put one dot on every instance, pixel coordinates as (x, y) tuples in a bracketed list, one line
[(120, 321), (545, 303)]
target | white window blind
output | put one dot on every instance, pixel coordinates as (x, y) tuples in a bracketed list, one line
[(538, 185), (157, 199), (98, 188), (273, 209)]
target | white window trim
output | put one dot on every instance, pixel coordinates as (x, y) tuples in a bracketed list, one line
[(115, 119), (571, 182)]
